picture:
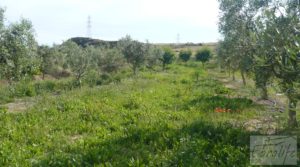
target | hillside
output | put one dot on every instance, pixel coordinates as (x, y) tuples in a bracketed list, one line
[(83, 41)]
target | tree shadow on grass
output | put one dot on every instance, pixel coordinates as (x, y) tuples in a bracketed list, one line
[(204, 103), (198, 144)]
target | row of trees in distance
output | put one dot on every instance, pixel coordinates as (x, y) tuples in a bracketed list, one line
[(203, 55), (21, 56)]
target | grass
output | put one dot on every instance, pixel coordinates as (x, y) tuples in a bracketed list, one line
[(154, 119), (26, 88)]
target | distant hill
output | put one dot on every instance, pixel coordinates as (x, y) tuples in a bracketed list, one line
[(181, 45), (84, 41)]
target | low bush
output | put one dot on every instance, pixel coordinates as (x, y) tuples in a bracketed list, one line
[(203, 55), (185, 55)]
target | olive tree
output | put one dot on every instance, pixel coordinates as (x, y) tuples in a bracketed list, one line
[(77, 58), (284, 24), (18, 50), (46, 55), (108, 60), (268, 32), (154, 56), (225, 57), (237, 27), (2, 48), (134, 52)]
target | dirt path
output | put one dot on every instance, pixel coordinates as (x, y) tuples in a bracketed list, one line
[(19, 105), (268, 123), (274, 103)]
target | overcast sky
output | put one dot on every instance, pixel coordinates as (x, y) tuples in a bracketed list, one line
[(159, 21)]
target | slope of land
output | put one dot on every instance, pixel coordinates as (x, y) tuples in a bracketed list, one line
[(165, 118)]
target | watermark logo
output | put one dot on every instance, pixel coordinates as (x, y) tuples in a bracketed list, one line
[(273, 150)]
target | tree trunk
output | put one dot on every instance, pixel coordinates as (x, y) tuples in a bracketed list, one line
[(264, 93), (43, 76), (78, 80), (243, 77), (80, 83), (134, 68), (292, 122), (233, 75), (164, 66)]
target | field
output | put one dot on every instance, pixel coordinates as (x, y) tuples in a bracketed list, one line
[(69, 99), (157, 118)]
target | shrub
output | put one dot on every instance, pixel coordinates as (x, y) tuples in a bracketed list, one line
[(105, 78), (117, 78), (185, 55), (109, 60), (65, 85), (168, 57), (203, 55), (155, 54), (45, 86), (185, 81), (91, 78), (21, 89), (3, 109), (133, 102)]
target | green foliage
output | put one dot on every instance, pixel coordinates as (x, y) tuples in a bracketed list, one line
[(203, 55), (17, 51), (154, 57), (135, 52), (262, 79), (21, 89), (211, 103), (132, 103), (92, 78), (46, 55), (185, 55), (150, 120), (3, 110), (168, 56), (153, 119), (264, 38), (77, 58), (108, 60)]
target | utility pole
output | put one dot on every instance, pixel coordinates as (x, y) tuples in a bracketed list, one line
[(89, 27), (178, 39)]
